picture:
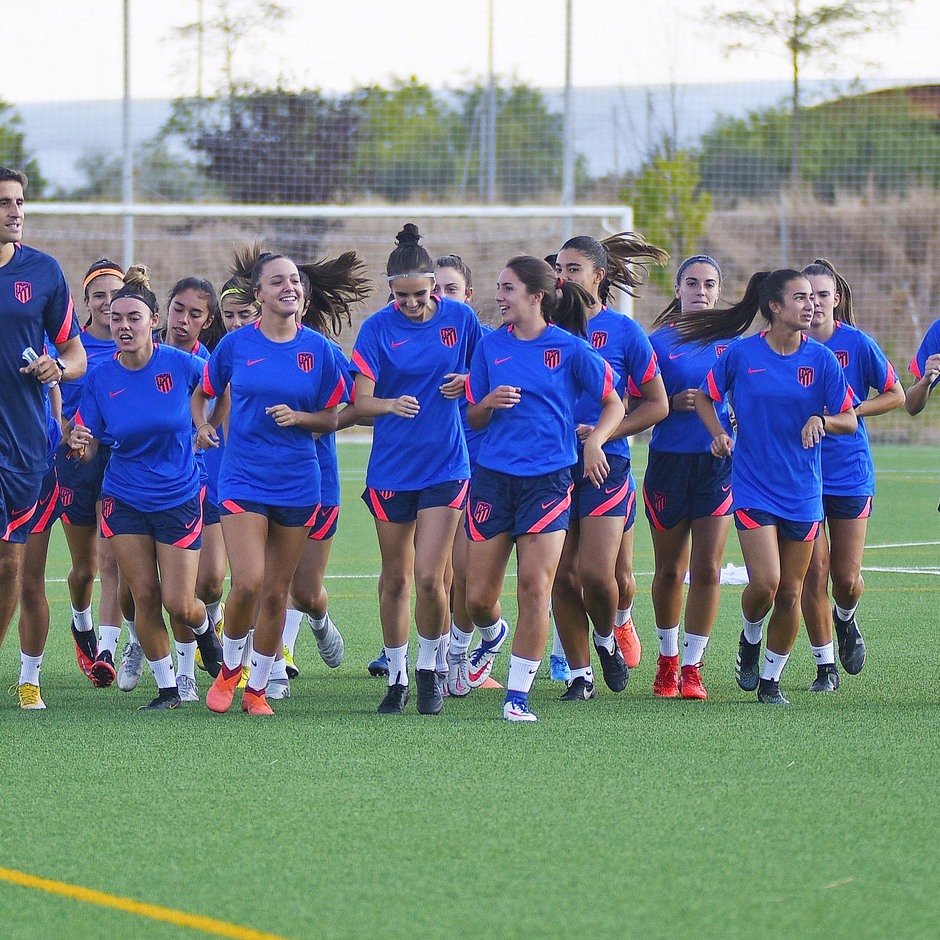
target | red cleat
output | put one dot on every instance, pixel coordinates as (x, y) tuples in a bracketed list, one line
[(629, 642), (255, 703), (666, 683), (690, 683), (220, 695)]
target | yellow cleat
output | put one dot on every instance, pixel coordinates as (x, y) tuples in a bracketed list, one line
[(29, 696), (292, 671), (246, 672)]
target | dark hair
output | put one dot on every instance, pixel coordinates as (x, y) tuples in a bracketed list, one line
[(675, 305), (211, 335), (9, 175), (409, 257), (137, 287), (240, 288), (843, 310), (458, 264), (333, 286), (624, 256), (101, 266), (763, 289), (563, 303)]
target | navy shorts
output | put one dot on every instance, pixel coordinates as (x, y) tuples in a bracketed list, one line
[(684, 487), (80, 485), (502, 503), (290, 517), (48, 508), (324, 528), (18, 496), (847, 507), (404, 505), (210, 512), (795, 531), (180, 526), (611, 498)]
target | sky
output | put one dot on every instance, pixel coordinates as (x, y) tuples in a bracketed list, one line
[(62, 50)]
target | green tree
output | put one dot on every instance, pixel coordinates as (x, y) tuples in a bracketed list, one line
[(13, 152)]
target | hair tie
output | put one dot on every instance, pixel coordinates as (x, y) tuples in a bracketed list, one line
[(559, 282)]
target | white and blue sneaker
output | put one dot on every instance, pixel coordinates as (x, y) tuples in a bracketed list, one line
[(559, 669), (481, 659), (517, 709)]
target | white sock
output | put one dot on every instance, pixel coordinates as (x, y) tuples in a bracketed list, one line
[(521, 673), (233, 651), (442, 652), (824, 655), (397, 664), (605, 642), (202, 628), (427, 652), (131, 628), (320, 626), (753, 632), (214, 612), (773, 665), (693, 649), (492, 631), (108, 637), (260, 671), (83, 620), (249, 648), (278, 670), (668, 640), (459, 641), (587, 673), (186, 660), (29, 669), (163, 672), (292, 621), (623, 615), (844, 615), (558, 648)]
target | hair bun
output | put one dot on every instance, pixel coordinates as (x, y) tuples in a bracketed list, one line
[(137, 276), (409, 235)]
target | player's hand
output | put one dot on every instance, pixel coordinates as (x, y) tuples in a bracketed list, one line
[(584, 431), (79, 438), (596, 467), (684, 400), (44, 370), (722, 445), (207, 437), (284, 416), (503, 396), (455, 386), (931, 368), (405, 407), (813, 431)]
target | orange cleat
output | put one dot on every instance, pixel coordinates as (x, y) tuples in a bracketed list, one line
[(255, 703), (220, 695), (666, 683), (629, 642), (690, 683)]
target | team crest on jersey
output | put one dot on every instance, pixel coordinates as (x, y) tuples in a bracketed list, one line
[(107, 506), (449, 336), (599, 339), (481, 512), (805, 375), (164, 382), (305, 361), (552, 358), (659, 501), (843, 356), (66, 495), (719, 350), (23, 291)]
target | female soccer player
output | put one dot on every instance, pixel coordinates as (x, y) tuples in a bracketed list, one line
[(284, 387), (686, 489), (80, 497), (151, 510), (586, 586), (788, 393), (848, 481), (411, 360), (523, 386)]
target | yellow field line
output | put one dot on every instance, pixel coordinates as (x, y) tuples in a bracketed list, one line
[(166, 914)]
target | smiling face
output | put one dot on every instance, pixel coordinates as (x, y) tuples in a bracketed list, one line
[(98, 296), (699, 287), (795, 311), (279, 291), (11, 217), (516, 304), (825, 298), (413, 296), (187, 316), (132, 325)]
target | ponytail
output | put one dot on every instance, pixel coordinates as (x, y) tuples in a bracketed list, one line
[(563, 303), (625, 257), (843, 311), (332, 287)]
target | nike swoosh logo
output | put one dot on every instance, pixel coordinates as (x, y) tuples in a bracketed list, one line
[(401, 342), (610, 489), (118, 392), (549, 504), (474, 674), (190, 525), (254, 362), (725, 489), (499, 362), (676, 355), (752, 371)]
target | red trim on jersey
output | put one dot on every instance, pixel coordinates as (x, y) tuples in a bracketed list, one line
[(914, 369), (330, 519), (377, 505), (891, 379), (461, 496), (337, 395), (618, 495), (207, 384), (813, 532), (632, 389), (746, 520), (712, 387), (849, 401), (362, 367), (468, 392), (649, 505), (552, 514), (18, 521), (608, 380), (650, 372), (725, 506), (66, 327)]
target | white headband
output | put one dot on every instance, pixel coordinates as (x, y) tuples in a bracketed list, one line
[(395, 277)]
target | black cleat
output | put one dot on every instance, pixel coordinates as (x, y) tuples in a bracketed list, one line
[(827, 678), (167, 699), (86, 648), (614, 667), (210, 646), (396, 698), (430, 700), (578, 690), (747, 665), (379, 665), (102, 673), (768, 693), (851, 644)]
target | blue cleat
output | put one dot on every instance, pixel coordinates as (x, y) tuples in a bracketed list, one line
[(559, 668)]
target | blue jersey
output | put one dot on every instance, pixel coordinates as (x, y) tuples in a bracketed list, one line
[(846, 458), (145, 413), (684, 365), (773, 397), (471, 436), (622, 343), (263, 462), (96, 352), (34, 303), (929, 345), (326, 443), (553, 371), (404, 357)]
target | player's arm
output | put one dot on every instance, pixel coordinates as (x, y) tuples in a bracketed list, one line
[(641, 412), (881, 404), (406, 406), (323, 421), (722, 443), (916, 399), (596, 466), (72, 359), (502, 397), (206, 435)]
